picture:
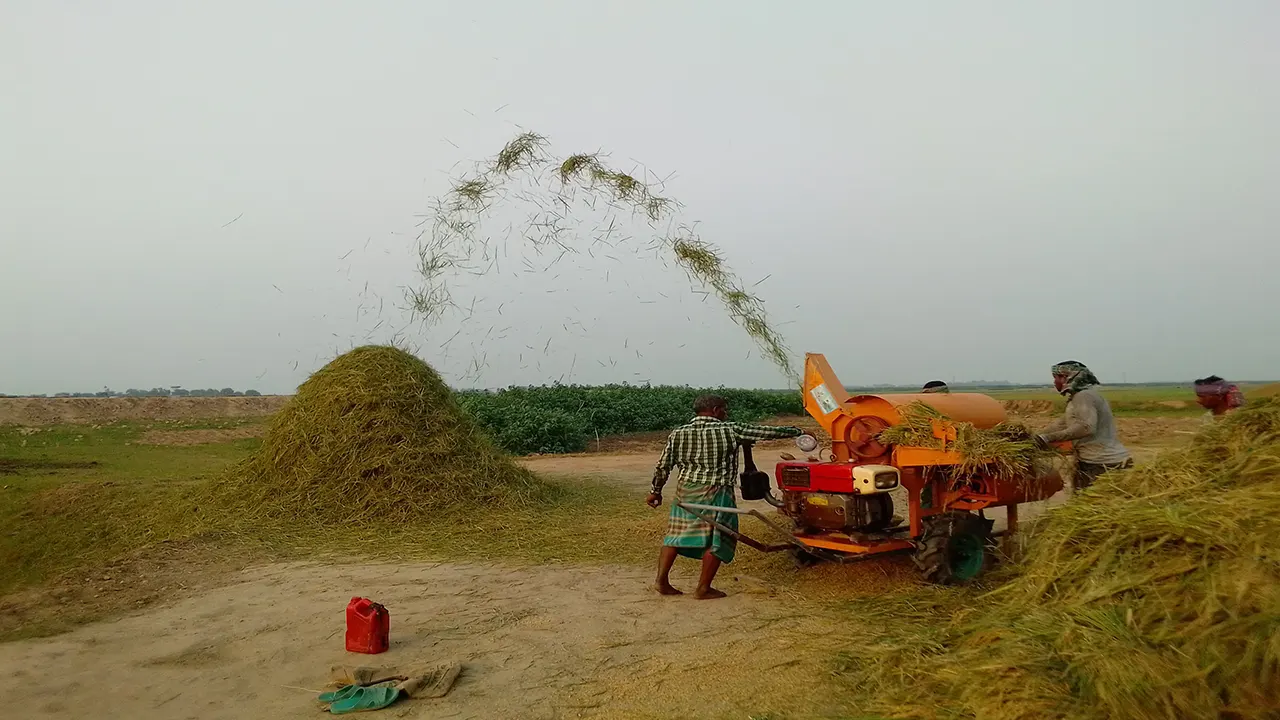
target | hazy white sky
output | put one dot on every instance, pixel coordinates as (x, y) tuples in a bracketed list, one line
[(956, 190)]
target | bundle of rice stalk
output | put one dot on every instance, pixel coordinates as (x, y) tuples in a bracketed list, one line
[(1007, 451), (1153, 594), (375, 435)]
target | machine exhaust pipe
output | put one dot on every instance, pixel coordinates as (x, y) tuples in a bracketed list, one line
[(769, 498)]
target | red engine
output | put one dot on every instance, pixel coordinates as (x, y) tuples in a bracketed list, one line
[(825, 496)]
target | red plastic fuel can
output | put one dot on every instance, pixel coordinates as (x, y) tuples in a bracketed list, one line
[(368, 626)]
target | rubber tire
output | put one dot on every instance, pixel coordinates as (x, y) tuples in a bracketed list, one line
[(941, 533), (886, 502), (804, 559)]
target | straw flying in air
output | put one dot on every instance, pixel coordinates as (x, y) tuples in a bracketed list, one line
[(525, 171)]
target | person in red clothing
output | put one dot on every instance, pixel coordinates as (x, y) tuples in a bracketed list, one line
[(1218, 396)]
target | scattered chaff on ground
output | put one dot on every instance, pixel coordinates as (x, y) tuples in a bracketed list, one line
[(452, 241)]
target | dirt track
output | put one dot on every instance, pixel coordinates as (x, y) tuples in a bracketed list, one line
[(83, 411), (550, 643)]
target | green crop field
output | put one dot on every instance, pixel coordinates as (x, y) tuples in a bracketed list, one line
[(564, 418)]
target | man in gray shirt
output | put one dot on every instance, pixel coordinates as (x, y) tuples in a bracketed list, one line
[(1087, 423)]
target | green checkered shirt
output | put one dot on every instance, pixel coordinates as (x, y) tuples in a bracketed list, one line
[(706, 450)]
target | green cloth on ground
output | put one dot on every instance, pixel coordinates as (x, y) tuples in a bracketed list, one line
[(364, 699), (340, 694), (691, 536)]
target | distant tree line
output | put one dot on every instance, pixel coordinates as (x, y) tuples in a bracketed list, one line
[(153, 392)]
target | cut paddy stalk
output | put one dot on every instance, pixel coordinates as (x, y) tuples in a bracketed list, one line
[(1154, 593)]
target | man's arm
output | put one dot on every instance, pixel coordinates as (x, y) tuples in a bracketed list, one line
[(1058, 424), (765, 432), (1080, 421), (663, 470)]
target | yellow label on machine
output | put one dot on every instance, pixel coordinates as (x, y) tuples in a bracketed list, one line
[(817, 500)]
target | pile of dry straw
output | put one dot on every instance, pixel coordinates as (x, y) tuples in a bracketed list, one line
[(1154, 594), (376, 435)]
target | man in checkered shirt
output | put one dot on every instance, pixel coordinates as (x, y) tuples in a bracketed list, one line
[(706, 451)]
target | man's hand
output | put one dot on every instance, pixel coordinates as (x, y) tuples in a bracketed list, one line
[(654, 500)]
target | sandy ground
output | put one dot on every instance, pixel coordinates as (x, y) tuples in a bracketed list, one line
[(551, 643)]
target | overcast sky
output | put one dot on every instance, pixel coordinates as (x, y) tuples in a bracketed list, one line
[(226, 193)]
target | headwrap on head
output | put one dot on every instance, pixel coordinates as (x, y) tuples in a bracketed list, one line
[(1214, 386), (1078, 376)]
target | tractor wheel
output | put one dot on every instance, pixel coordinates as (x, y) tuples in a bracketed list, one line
[(954, 548)]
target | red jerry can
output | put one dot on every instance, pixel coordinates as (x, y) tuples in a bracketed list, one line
[(368, 626)]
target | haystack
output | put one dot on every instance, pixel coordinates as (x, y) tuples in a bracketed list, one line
[(1154, 594), (376, 434)]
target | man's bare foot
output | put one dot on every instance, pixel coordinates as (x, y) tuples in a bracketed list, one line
[(666, 589), (708, 594)]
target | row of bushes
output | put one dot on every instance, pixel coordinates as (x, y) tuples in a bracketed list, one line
[(564, 418)]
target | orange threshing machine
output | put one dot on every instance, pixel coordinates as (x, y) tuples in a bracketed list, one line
[(843, 510)]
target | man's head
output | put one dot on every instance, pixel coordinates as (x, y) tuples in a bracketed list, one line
[(1071, 376), (711, 406), (935, 386)]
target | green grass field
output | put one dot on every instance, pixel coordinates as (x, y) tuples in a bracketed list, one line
[(1127, 400)]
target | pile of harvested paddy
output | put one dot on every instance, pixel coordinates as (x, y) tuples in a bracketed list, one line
[(1154, 594), (373, 435), (1008, 450)]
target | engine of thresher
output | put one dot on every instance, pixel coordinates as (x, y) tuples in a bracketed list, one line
[(838, 497), (851, 492)]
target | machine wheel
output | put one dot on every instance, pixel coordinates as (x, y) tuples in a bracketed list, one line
[(954, 548), (804, 559)]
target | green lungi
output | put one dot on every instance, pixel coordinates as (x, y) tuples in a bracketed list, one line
[(693, 537)]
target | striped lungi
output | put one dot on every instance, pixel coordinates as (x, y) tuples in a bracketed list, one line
[(693, 537)]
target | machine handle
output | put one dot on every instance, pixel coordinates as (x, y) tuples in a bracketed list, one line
[(748, 462)]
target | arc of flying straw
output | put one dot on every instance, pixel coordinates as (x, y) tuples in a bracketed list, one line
[(524, 159)]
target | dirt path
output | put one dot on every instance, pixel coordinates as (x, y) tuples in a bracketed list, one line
[(33, 412), (553, 643)]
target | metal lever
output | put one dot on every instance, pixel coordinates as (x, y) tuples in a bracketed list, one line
[(749, 464)]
